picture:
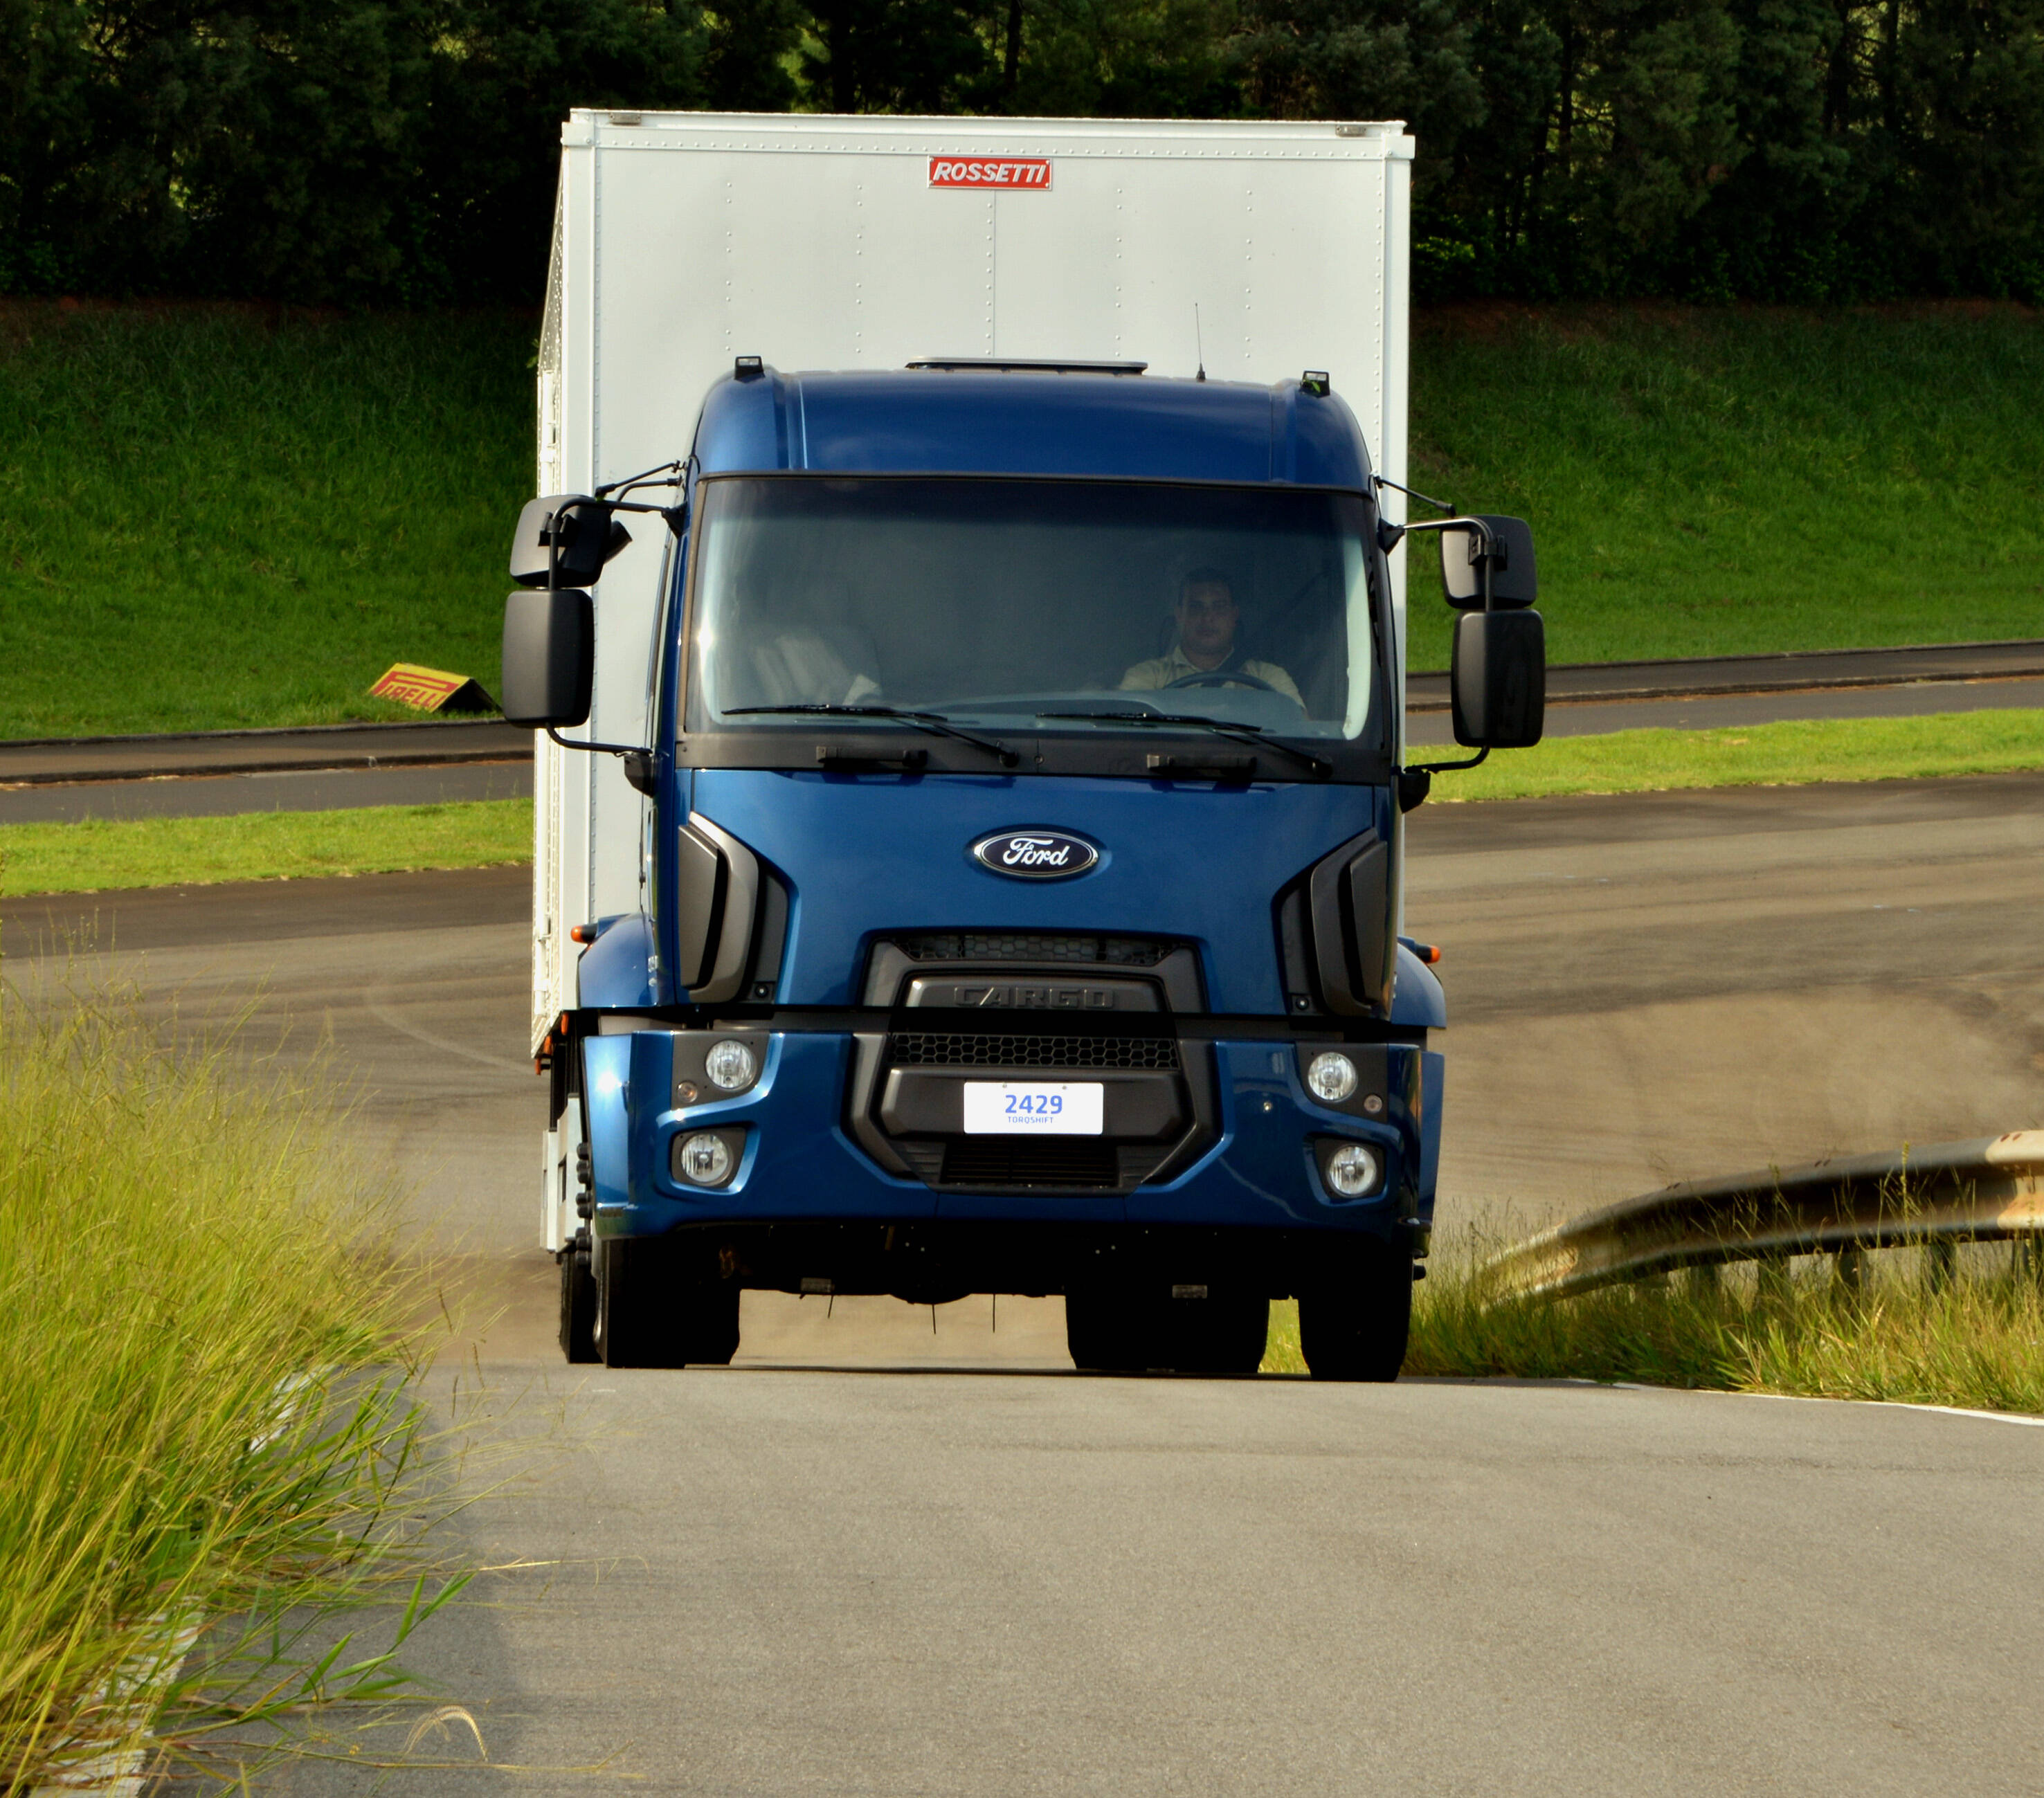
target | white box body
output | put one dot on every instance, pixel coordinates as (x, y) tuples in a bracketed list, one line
[(685, 239)]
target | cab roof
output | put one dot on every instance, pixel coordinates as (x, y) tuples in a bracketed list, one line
[(957, 419)]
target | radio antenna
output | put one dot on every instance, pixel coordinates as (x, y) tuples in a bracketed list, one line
[(1199, 347)]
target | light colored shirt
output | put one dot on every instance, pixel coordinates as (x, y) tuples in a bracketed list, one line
[(1161, 670), (802, 669)]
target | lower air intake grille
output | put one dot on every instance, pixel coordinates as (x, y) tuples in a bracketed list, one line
[(1016, 946), (936, 1048), (1002, 1160)]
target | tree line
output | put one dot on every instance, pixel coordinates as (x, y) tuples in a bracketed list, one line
[(380, 151)]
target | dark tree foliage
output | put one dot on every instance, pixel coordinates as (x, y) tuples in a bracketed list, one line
[(379, 151)]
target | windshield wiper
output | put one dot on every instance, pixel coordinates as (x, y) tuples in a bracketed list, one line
[(936, 723), (1241, 733)]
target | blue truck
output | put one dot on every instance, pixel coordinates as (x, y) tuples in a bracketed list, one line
[(1020, 834)]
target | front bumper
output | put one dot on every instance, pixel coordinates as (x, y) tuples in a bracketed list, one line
[(798, 1160)]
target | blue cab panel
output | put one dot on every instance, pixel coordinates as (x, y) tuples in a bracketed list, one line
[(868, 854), (964, 422), (1223, 882)]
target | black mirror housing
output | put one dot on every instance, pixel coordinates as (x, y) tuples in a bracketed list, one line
[(1514, 577), (588, 534), (549, 657), (1500, 679)]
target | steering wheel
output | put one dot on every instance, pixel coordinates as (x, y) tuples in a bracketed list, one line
[(1219, 677)]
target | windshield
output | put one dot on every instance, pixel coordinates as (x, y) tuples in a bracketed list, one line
[(1006, 602)]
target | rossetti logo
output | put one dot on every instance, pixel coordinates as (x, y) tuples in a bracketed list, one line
[(1027, 173)]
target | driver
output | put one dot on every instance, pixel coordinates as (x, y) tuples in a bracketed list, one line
[(1207, 615)]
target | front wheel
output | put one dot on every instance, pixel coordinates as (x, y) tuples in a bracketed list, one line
[(649, 1315), (1356, 1329)]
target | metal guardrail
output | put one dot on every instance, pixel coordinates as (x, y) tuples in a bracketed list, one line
[(1990, 1189)]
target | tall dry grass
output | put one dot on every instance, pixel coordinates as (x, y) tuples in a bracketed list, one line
[(208, 1445), (1974, 1339), (1904, 1326)]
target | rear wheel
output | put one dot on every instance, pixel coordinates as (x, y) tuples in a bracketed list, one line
[(649, 1315), (1355, 1329), (577, 1306)]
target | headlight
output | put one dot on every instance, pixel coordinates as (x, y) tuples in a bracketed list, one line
[(705, 1158), (1330, 1077), (1352, 1170), (732, 1065)]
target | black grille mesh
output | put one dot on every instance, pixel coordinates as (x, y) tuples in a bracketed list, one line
[(998, 1161), (1025, 946), (936, 1048)]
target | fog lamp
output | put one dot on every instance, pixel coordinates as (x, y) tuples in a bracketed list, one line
[(705, 1158), (1330, 1077), (1352, 1170), (731, 1065)]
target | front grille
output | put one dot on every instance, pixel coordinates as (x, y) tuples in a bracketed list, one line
[(1031, 946), (1008, 1161), (937, 1048)]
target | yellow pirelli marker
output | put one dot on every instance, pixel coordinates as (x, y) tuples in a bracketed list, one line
[(432, 690)]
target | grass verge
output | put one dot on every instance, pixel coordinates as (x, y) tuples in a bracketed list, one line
[(222, 516), (1974, 1340), (1791, 753), (97, 855), (1714, 481), (204, 1408), (225, 516)]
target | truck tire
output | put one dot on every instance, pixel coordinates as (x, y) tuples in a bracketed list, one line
[(647, 1314), (577, 1307), (1357, 1330)]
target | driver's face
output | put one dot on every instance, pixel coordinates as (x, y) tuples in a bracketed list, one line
[(1207, 618)]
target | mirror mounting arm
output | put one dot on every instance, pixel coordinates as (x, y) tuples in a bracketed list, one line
[(1389, 536), (1414, 784), (664, 474), (638, 763), (1446, 767), (1484, 535)]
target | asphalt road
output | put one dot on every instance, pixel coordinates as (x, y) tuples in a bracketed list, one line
[(42, 784), (289, 789), (789, 1576), (1717, 711)]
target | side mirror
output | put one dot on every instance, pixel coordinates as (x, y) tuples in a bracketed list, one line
[(578, 534), (549, 657), (1500, 679), (1514, 580)]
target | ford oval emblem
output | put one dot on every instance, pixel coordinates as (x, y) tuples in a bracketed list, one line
[(1036, 855)]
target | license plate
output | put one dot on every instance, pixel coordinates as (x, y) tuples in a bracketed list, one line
[(1033, 1107)]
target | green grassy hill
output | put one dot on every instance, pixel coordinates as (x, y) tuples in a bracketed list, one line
[(219, 516), (1711, 482), (216, 517)]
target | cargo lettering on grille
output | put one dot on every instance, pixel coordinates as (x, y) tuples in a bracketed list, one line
[(936, 1048), (1041, 998)]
